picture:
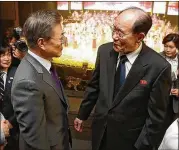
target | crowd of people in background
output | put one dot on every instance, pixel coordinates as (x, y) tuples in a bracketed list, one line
[(157, 87), (12, 49)]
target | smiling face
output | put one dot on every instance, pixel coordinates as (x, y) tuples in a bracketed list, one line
[(125, 41), (5, 60)]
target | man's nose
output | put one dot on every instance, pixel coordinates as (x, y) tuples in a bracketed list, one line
[(115, 37)]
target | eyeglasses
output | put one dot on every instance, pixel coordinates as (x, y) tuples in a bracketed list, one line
[(61, 40), (119, 34)]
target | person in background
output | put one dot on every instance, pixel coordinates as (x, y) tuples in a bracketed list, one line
[(129, 89), (4, 131), (38, 97), (19, 51), (6, 78), (170, 53)]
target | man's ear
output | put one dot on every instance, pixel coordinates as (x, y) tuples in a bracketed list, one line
[(140, 37), (41, 43)]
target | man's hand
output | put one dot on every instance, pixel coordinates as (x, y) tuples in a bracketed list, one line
[(5, 128), (78, 125), (175, 92), (9, 124)]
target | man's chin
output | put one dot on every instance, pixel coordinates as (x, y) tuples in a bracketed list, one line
[(59, 54), (118, 49)]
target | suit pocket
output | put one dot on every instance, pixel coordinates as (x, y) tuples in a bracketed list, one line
[(135, 129), (133, 133)]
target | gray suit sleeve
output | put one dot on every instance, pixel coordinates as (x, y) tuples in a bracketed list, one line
[(2, 137), (28, 103)]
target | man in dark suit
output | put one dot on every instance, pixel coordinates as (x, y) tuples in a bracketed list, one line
[(38, 97), (6, 77), (130, 87)]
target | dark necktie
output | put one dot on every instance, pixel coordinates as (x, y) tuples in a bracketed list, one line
[(120, 74), (56, 79), (1, 86), (55, 76)]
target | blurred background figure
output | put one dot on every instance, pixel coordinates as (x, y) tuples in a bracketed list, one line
[(19, 50), (6, 77), (170, 53)]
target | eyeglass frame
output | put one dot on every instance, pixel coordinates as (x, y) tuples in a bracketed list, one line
[(119, 33), (62, 39)]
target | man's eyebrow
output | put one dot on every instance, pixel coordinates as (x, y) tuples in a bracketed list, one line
[(118, 29)]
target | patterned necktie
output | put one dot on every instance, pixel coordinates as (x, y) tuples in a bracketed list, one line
[(120, 74), (1, 86)]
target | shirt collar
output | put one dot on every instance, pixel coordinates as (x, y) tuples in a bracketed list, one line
[(174, 59), (44, 62), (133, 55), (3, 73)]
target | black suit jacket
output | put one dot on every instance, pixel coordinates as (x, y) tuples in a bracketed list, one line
[(7, 108), (40, 107), (138, 116)]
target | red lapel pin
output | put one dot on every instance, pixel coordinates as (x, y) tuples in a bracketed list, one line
[(143, 82)]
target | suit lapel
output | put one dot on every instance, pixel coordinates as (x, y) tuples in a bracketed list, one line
[(45, 75), (9, 79), (111, 69), (49, 80), (135, 74)]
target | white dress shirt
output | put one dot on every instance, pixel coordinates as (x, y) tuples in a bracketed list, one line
[(170, 140), (44, 62), (131, 58)]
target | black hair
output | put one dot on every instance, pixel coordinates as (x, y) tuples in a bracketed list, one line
[(172, 37), (4, 48), (40, 24)]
